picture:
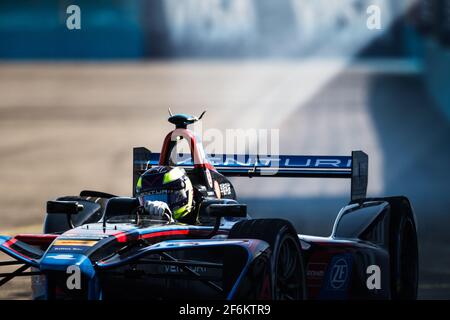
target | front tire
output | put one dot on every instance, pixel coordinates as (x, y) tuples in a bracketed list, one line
[(287, 271)]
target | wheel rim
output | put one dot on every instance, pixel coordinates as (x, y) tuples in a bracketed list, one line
[(288, 282)]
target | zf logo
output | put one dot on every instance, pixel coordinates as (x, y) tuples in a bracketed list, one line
[(339, 274)]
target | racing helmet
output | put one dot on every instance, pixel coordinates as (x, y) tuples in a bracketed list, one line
[(168, 184)]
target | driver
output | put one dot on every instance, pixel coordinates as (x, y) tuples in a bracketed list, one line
[(165, 190)]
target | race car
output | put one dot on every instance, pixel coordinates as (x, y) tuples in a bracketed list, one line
[(101, 246)]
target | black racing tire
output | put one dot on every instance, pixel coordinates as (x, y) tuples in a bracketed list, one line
[(288, 275), (403, 250)]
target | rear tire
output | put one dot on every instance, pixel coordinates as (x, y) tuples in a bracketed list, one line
[(287, 271), (403, 249)]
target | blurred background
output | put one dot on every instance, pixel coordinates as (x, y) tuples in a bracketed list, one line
[(73, 103)]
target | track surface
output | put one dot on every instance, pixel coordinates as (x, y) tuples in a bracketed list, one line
[(67, 127)]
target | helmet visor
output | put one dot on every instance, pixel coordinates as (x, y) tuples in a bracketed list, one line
[(150, 186), (174, 198), (164, 197)]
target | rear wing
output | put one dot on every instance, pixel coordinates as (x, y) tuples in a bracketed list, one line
[(354, 167)]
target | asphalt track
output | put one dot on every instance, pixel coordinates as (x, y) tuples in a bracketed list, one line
[(67, 127)]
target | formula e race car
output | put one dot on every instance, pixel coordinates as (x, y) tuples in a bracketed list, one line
[(100, 246)]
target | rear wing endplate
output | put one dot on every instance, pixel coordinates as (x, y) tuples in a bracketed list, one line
[(354, 167)]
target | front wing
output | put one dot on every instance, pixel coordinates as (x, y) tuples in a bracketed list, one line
[(198, 269)]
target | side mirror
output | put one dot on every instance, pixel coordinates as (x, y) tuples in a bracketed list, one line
[(227, 210), (64, 207)]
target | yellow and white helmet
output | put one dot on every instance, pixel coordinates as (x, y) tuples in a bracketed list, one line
[(168, 184)]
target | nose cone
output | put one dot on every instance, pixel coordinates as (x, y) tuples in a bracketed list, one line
[(62, 261)]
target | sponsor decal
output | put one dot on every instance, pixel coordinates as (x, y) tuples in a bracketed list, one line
[(339, 274), (337, 277), (225, 189), (315, 272), (176, 269), (283, 161), (77, 243)]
